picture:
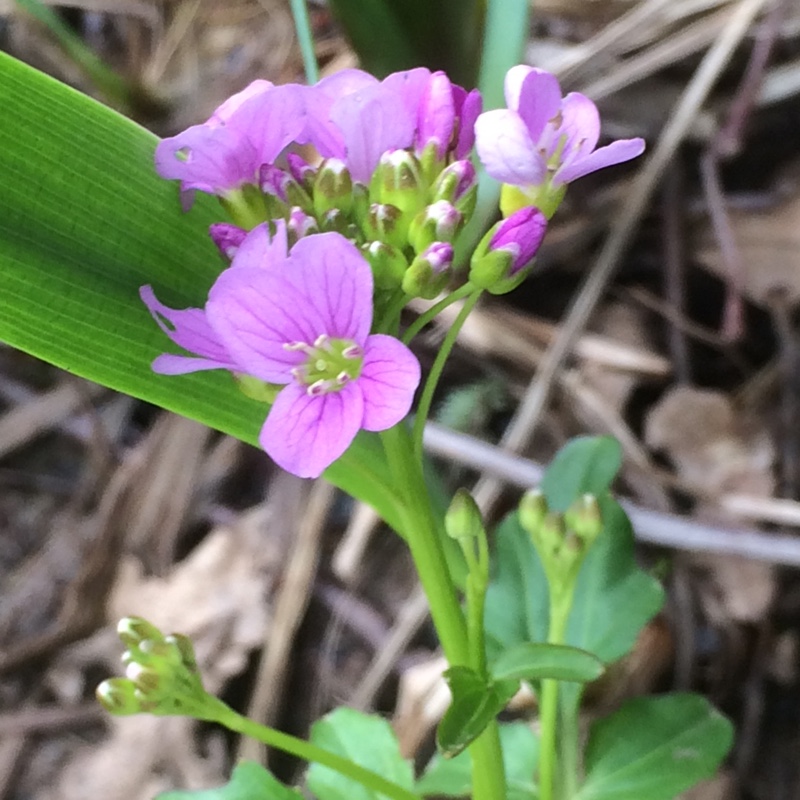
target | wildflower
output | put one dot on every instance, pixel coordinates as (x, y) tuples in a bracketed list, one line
[(300, 320), (543, 141), (500, 260)]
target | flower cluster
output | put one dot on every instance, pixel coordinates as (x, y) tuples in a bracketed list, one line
[(323, 251)]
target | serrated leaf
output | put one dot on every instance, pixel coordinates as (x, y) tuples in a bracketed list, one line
[(452, 777), (585, 465), (84, 222), (654, 748), (475, 704), (365, 739), (249, 781), (534, 661)]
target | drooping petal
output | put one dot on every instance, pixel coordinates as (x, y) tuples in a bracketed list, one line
[(371, 121), (304, 435), (261, 249), (614, 153), (507, 150), (389, 377), (538, 99), (188, 328), (337, 281), (213, 160), (580, 121)]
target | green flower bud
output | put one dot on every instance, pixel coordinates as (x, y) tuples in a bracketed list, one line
[(398, 181), (429, 272), (532, 510), (387, 224), (388, 264), (118, 697), (132, 631), (333, 187), (463, 519), (439, 222), (584, 519)]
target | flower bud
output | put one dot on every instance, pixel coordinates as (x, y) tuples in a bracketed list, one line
[(504, 255), (118, 697), (438, 222), (227, 238), (429, 272), (300, 224), (280, 184), (388, 264), (397, 181), (584, 519), (301, 171), (457, 184), (532, 510), (132, 631), (463, 519), (386, 223), (333, 187)]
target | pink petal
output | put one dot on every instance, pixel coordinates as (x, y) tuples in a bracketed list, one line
[(506, 149), (468, 113), (210, 159), (408, 87), (261, 249), (371, 121), (437, 113), (539, 98), (304, 435), (188, 328), (389, 377), (614, 153), (224, 113), (581, 123)]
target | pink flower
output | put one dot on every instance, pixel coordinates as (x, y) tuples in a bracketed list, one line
[(247, 130), (543, 141), (300, 320)]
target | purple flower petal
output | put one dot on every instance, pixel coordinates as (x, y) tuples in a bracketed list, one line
[(371, 121), (229, 108), (212, 160), (188, 328), (468, 113), (408, 87), (506, 149), (260, 249), (227, 238), (437, 113), (538, 97), (305, 434), (614, 153), (389, 377), (580, 121)]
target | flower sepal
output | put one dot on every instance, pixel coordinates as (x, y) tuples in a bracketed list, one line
[(430, 271), (388, 264)]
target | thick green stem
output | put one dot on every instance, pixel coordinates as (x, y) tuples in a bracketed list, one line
[(424, 535), (560, 606), (308, 752)]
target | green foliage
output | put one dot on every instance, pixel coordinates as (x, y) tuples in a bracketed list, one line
[(451, 777), (534, 661), (476, 702), (249, 781), (365, 740), (84, 222), (585, 465), (654, 748)]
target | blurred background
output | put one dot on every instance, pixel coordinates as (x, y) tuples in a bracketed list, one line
[(662, 311)]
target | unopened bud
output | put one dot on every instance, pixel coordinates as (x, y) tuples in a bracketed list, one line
[(584, 519), (386, 223), (227, 238), (388, 264), (463, 519), (300, 224), (118, 697), (333, 187), (429, 272), (439, 222), (132, 631), (457, 184), (397, 181), (532, 510)]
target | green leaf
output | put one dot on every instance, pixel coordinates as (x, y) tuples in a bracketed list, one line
[(84, 222), (366, 740), (476, 702), (452, 777), (249, 781), (614, 599), (654, 748), (534, 661), (585, 465)]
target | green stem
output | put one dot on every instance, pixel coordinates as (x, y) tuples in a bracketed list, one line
[(560, 606), (424, 407), (390, 319), (304, 36), (226, 716), (424, 535), (423, 319)]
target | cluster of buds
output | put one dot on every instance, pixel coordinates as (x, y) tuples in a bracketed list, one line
[(561, 539), (161, 675)]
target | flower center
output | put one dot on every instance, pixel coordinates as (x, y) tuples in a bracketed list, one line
[(330, 364)]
